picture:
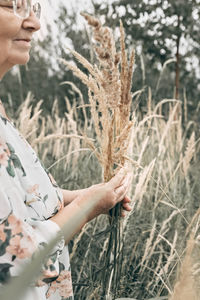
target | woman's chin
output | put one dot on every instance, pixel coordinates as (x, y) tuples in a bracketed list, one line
[(24, 62), (20, 60)]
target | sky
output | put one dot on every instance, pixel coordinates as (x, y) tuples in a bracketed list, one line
[(49, 12)]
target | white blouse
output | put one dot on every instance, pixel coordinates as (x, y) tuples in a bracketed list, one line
[(28, 198)]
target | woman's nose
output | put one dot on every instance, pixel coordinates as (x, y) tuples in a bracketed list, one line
[(32, 23)]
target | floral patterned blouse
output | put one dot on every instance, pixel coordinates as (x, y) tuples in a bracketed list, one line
[(28, 198)]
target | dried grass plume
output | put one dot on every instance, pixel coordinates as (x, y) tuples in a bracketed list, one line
[(109, 88)]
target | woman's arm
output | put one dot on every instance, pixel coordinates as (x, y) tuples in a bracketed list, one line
[(96, 200), (69, 196)]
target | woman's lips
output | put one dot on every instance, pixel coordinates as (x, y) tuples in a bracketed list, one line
[(23, 42)]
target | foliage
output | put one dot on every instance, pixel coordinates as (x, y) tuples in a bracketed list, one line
[(162, 30)]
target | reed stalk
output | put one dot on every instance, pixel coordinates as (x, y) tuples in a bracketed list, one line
[(109, 88)]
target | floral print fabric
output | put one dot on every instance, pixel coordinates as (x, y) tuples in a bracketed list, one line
[(28, 199)]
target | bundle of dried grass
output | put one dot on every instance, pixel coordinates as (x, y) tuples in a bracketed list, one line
[(109, 89)]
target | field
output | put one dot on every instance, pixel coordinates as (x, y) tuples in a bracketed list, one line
[(165, 192)]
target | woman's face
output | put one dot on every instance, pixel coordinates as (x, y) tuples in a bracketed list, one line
[(15, 38)]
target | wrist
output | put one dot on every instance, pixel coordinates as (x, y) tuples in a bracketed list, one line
[(86, 204), (69, 196), (68, 214)]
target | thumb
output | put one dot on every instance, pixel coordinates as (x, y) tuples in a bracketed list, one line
[(117, 180)]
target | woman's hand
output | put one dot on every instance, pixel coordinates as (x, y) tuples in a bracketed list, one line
[(102, 197), (93, 201)]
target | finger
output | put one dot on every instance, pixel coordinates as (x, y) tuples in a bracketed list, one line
[(126, 200), (122, 190), (120, 193), (126, 182), (127, 178), (117, 180), (123, 214), (126, 207)]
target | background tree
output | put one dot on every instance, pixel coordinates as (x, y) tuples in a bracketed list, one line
[(162, 30)]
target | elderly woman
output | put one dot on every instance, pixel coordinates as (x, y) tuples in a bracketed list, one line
[(32, 207)]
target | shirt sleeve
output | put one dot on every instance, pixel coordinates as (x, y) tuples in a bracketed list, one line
[(21, 236)]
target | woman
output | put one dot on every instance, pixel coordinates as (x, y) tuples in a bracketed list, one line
[(32, 208)]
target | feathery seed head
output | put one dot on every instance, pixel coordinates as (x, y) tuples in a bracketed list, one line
[(109, 86)]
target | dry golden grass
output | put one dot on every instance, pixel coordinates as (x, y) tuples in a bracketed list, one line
[(187, 285), (61, 135), (162, 201), (109, 88)]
